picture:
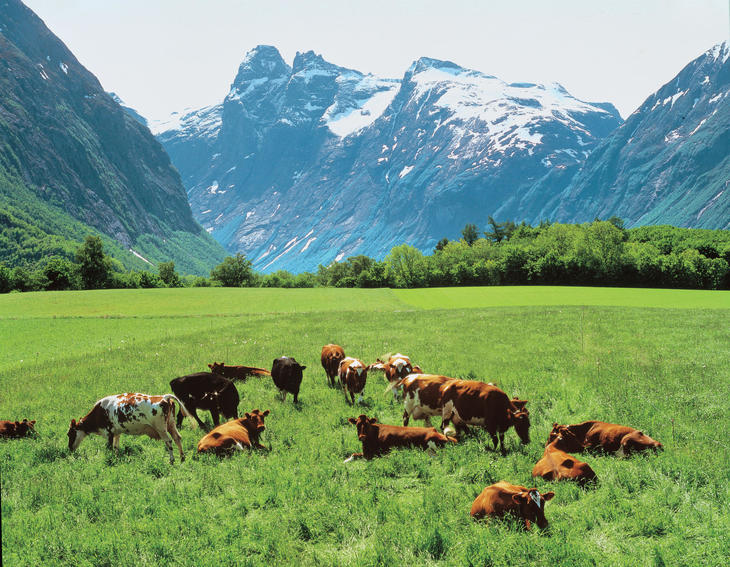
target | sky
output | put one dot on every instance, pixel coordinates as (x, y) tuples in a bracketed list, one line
[(162, 56)]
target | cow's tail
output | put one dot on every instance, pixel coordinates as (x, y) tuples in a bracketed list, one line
[(183, 409)]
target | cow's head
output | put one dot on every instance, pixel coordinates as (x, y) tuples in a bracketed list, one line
[(401, 362), (521, 420), (364, 425), (564, 439), (254, 423), (532, 506), (24, 427), (216, 367), (637, 441), (75, 435)]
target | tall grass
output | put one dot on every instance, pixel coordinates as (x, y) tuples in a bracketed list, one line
[(662, 370)]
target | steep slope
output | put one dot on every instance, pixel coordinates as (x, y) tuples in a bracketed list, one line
[(75, 148), (669, 162), (305, 165)]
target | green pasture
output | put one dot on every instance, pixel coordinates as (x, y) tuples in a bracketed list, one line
[(640, 357)]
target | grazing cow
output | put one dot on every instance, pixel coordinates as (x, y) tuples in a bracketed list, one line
[(468, 402), (235, 435), (237, 372), (503, 498), (287, 375), (353, 374), (422, 396), (556, 464), (135, 414), (332, 355), (377, 438), (206, 391), (598, 435), (395, 369), (15, 429)]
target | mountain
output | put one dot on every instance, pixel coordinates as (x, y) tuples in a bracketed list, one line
[(67, 146), (311, 163), (669, 163)]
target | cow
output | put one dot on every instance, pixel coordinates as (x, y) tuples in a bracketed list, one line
[(422, 396), (598, 435), (235, 435), (504, 498), (332, 355), (206, 391), (353, 374), (287, 375), (16, 429), (556, 464), (378, 439), (237, 372), (469, 402), (132, 413), (397, 367)]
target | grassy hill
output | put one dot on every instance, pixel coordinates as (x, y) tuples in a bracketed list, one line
[(664, 370)]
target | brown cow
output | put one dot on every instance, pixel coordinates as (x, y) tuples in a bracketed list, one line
[(609, 437), (16, 429), (556, 464), (235, 435), (468, 402), (395, 369), (332, 355), (503, 498), (353, 374), (237, 372), (377, 438), (422, 396)]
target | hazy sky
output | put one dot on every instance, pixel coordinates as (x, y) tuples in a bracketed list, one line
[(166, 55)]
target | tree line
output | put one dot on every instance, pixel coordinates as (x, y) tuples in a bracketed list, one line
[(600, 253)]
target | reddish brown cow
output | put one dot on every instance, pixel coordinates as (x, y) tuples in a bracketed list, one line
[(607, 437), (235, 435), (353, 374), (15, 429), (237, 372), (395, 369), (556, 464), (468, 402), (422, 396), (377, 438), (332, 355), (503, 498)]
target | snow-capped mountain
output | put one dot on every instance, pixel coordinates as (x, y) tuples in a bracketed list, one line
[(312, 163), (669, 162)]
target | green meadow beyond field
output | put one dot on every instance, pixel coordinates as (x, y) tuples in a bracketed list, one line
[(657, 360)]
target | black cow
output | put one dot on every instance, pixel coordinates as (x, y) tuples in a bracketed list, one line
[(207, 391), (287, 375)]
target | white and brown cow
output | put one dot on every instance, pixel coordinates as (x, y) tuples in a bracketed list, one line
[(353, 374), (132, 413), (397, 367), (422, 396)]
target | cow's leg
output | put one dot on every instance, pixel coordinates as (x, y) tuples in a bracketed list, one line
[(172, 430), (495, 440), (115, 443), (406, 417), (168, 444), (109, 440), (216, 418), (296, 398), (352, 397), (501, 442)]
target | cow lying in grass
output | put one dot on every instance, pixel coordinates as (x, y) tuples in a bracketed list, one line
[(598, 435), (135, 414), (235, 435), (16, 429), (503, 498), (556, 464), (378, 439)]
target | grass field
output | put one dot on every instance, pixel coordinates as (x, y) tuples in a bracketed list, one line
[(648, 358)]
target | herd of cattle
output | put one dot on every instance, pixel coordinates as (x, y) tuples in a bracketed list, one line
[(459, 403)]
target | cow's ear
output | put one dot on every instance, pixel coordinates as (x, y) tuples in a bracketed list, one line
[(373, 420), (73, 423), (210, 366), (519, 404), (548, 496), (555, 424), (304, 367), (266, 412), (352, 420), (32, 422), (247, 415)]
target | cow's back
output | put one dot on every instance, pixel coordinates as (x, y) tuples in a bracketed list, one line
[(199, 384), (477, 403), (495, 500)]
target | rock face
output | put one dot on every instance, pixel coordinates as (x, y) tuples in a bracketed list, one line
[(308, 164), (75, 146), (669, 163)]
